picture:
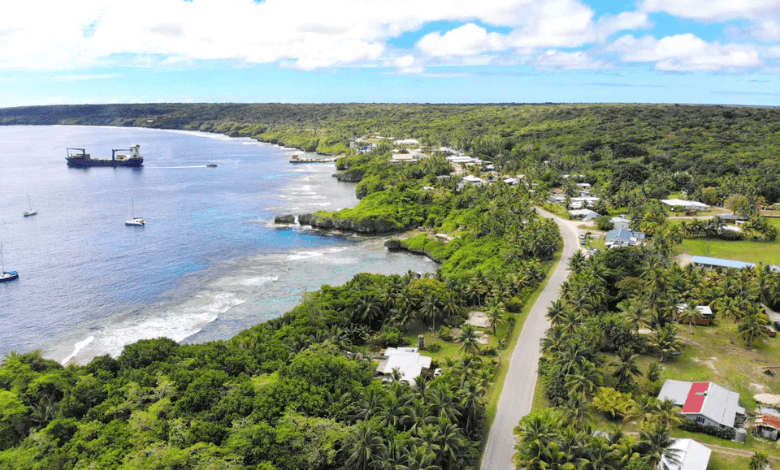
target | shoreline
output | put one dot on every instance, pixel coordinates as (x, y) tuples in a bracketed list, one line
[(89, 341)]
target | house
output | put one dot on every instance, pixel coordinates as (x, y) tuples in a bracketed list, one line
[(620, 223), (705, 403), (704, 314), (584, 185), (473, 180), (583, 201), (691, 455), (512, 181), (711, 263), (408, 361), (732, 218), (767, 426), (681, 204), (584, 214), (618, 238), (406, 142), (402, 157), (464, 160)]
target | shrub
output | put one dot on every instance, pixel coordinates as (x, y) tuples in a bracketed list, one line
[(692, 426), (604, 223), (391, 338), (445, 333), (514, 305), (435, 347)]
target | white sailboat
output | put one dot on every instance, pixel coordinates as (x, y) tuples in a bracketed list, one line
[(135, 220), (31, 211), (6, 276)]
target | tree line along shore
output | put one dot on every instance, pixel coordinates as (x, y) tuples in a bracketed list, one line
[(300, 391)]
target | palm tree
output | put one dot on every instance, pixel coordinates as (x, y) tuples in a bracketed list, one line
[(418, 458), (365, 447), (753, 327), (688, 314), (555, 312), (730, 308), (367, 309), (468, 339), (626, 368), (430, 308), (451, 307), (577, 261), (654, 444), (495, 312), (666, 341)]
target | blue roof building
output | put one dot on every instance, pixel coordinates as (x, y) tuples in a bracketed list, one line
[(616, 238), (707, 262)]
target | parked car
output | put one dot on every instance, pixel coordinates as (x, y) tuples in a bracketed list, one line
[(771, 331), (777, 325)]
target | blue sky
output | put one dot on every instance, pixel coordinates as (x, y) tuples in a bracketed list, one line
[(437, 51)]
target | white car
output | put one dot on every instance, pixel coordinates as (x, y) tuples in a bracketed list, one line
[(437, 372)]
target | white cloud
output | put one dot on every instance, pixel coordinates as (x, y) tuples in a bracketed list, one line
[(306, 34), (685, 52), (714, 10), (553, 59), (408, 64), (468, 39), (764, 30), (773, 52)]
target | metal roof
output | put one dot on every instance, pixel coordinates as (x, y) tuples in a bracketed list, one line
[(703, 398), (724, 263), (675, 390), (408, 362), (692, 455)]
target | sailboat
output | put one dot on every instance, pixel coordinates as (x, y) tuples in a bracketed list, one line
[(6, 276), (31, 211), (135, 220)]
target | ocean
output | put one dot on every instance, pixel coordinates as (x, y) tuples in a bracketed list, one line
[(209, 263)]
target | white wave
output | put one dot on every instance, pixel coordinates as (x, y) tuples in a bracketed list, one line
[(257, 281), (299, 255), (79, 346), (178, 323)]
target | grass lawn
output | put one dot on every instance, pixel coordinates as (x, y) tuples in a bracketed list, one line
[(749, 251)]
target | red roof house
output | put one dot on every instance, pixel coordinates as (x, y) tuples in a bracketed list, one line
[(703, 402), (768, 426)]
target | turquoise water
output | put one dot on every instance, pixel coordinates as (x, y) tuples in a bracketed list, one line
[(209, 262)]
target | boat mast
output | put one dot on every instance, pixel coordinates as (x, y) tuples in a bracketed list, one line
[(2, 263)]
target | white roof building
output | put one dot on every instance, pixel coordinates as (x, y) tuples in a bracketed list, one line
[(691, 454), (584, 214), (407, 360), (406, 142), (689, 205)]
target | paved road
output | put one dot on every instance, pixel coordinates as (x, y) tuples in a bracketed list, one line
[(518, 393)]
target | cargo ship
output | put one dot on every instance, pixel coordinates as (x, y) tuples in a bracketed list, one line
[(79, 158)]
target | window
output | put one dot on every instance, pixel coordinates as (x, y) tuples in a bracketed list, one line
[(700, 419)]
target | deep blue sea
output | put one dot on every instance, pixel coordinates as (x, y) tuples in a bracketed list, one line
[(208, 264)]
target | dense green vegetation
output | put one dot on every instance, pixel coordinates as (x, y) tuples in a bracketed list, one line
[(299, 392), (597, 368)]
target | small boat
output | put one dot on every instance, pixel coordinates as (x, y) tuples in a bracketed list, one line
[(9, 275), (135, 220), (31, 211), (211, 165)]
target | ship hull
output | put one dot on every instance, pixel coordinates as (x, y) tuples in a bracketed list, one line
[(88, 163), (9, 276)]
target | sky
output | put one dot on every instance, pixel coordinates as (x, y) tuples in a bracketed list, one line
[(390, 51)]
